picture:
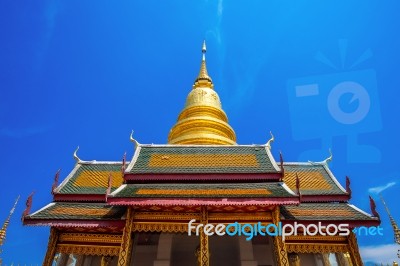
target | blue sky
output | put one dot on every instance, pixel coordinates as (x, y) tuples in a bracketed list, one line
[(87, 72)]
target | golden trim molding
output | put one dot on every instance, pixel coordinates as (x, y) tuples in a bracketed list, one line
[(160, 227), (316, 248), (88, 250), (93, 238)]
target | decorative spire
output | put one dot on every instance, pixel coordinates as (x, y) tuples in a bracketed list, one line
[(393, 222), (203, 79), (202, 120), (3, 229)]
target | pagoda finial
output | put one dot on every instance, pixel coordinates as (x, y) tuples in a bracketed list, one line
[(270, 140), (282, 168), (76, 156), (3, 229), (134, 140), (392, 221), (203, 79)]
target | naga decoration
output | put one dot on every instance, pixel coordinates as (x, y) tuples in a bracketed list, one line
[(55, 183), (28, 206), (270, 141), (348, 189)]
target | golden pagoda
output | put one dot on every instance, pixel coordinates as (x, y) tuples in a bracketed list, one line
[(168, 204), (3, 230)]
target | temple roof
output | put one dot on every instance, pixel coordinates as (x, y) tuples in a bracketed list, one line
[(195, 159), (91, 178), (315, 179), (237, 190), (89, 214), (325, 212)]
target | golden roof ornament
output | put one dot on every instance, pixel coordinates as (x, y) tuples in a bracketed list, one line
[(202, 121), (3, 229)]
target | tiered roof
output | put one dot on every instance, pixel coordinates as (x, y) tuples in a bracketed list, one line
[(183, 178)]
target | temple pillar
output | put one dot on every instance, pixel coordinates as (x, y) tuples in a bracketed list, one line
[(51, 247), (353, 250), (246, 253), (281, 256), (204, 256), (125, 250), (164, 250)]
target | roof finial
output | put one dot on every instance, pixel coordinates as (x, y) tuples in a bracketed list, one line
[(203, 79), (134, 140), (270, 140), (76, 156)]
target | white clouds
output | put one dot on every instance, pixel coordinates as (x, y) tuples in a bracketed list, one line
[(379, 189), (380, 254)]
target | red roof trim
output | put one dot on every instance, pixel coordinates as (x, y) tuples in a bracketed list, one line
[(201, 177), (80, 197), (202, 201)]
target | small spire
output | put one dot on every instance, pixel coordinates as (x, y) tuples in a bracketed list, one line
[(3, 229), (204, 50), (203, 78)]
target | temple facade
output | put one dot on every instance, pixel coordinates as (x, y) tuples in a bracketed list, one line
[(165, 206)]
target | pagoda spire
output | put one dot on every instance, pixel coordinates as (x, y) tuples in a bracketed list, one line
[(202, 120), (3, 229), (393, 222), (203, 79)]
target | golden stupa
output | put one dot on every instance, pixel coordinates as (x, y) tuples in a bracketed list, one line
[(202, 121)]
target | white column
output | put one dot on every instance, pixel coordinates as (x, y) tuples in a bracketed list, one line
[(164, 250)]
